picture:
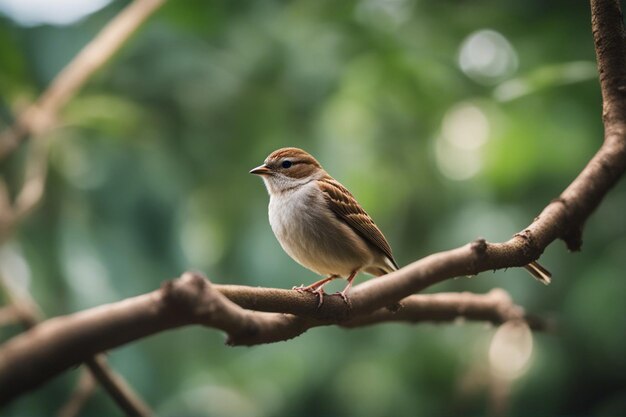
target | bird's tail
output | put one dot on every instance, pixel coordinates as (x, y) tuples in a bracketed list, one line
[(383, 267), (539, 272)]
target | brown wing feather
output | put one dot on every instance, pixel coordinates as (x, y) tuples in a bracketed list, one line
[(345, 206)]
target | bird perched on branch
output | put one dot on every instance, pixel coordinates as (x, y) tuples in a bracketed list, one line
[(319, 223)]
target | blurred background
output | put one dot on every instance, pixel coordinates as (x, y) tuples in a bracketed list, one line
[(472, 117)]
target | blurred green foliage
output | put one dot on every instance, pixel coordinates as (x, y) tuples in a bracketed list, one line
[(149, 178)]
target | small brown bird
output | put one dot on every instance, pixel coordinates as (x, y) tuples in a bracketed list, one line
[(319, 223)]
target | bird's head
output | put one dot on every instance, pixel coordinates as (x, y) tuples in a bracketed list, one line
[(288, 168)]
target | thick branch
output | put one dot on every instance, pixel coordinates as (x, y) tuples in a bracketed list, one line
[(610, 42), (29, 315), (57, 344), (494, 307)]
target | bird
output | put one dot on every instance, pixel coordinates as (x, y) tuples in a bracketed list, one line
[(320, 224)]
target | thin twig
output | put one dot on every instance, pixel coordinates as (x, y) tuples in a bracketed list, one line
[(40, 116), (85, 387), (117, 387), (29, 196)]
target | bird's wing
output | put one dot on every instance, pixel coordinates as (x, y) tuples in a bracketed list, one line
[(347, 209)]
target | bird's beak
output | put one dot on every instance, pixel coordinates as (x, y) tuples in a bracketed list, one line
[(261, 170)]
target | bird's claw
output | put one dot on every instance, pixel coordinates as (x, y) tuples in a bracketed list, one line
[(320, 296), (318, 292), (344, 297)]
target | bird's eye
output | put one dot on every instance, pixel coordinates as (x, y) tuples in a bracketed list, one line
[(286, 164)]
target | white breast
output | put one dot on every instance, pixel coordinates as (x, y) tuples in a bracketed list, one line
[(312, 235)]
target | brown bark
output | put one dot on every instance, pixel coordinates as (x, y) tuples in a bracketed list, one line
[(60, 343)]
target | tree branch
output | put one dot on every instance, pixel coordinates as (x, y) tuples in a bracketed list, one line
[(37, 120), (33, 357), (41, 115), (610, 44), (28, 313), (117, 387), (30, 194), (84, 389)]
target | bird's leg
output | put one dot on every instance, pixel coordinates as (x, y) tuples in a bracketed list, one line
[(316, 288), (344, 293), (316, 285)]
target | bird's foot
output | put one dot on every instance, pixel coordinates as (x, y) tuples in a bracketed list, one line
[(344, 296), (318, 291)]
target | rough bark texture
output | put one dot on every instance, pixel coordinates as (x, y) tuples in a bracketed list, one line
[(58, 344)]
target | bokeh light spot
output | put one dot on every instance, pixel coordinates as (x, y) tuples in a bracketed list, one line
[(510, 350), (487, 57), (466, 126), (57, 12), (464, 131)]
